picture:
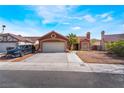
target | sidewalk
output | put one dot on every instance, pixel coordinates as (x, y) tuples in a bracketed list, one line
[(99, 68)]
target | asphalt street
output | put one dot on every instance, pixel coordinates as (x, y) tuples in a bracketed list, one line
[(59, 79)]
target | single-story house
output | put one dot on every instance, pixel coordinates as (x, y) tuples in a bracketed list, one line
[(51, 42), (85, 42), (110, 38), (12, 40), (55, 42), (96, 44)]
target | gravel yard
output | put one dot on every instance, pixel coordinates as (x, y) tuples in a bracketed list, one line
[(99, 57)]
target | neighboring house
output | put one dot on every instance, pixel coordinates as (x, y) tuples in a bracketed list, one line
[(95, 44), (11, 40), (85, 42), (55, 42), (110, 38)]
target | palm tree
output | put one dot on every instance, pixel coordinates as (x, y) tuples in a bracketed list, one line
[(72, 39)]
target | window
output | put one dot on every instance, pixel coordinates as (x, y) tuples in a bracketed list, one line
[(53, 36)]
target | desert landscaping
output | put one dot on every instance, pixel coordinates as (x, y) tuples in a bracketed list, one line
[(100, 57)]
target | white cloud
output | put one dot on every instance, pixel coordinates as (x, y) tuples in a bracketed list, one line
[(104, 15), (51, 13), (107, 19), (89, 18), (65, 23), (76, 28), (57, 13), (73, 17)]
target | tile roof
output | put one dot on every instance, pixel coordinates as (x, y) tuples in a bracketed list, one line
[(79, 38), (49, 33), (18, 37), (33, 38), (114, 37)]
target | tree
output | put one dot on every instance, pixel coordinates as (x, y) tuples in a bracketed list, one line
[(72, 39), (94, 41), (116, 48)]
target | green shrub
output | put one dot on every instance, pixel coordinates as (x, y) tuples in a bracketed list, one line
[(116, 48)]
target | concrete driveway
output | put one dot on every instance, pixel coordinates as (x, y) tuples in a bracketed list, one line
[(54, 58), (48, 58)]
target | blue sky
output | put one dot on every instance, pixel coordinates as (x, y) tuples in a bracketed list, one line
[(38, 20)]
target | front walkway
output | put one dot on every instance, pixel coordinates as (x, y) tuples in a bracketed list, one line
[(73, 58)]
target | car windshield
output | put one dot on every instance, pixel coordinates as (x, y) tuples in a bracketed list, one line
[(23, 46), (20, 47)]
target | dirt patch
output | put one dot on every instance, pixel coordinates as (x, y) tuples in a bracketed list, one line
[(18, 59), (22, 58), (100, 57)]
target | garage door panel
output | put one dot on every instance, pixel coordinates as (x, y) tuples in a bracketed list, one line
[(53, 47)]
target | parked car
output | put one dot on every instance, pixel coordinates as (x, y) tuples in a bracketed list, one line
[(20, 50)]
